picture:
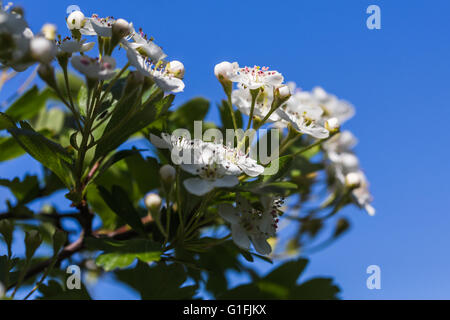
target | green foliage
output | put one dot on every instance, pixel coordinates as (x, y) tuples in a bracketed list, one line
[(53, 290), (29, 104), (158, 282), (119, 202), (121, 254), (282, 284), (50, 154)]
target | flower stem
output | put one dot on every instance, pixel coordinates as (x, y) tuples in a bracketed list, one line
[(230, 107)]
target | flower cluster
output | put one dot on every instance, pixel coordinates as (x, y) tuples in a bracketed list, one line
[(343, 167), (142, 53), (20, 48), (214, 165)]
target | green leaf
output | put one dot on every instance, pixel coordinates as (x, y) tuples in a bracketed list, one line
[(53, 290), (193, 110), (25, 190), (5, 121), (122, 126), (118, 201), (284, 165), (28, 104), (33, 241), (158, 282), (121, 254), (49, 153), (144, 171), (225, 116)]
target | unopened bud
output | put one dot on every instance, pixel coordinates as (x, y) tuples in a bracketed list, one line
[(167, 173), (284, 92), (75, 20), (332, 124), (47, 73), (153, 201), (121, 28), (223, 72), (352, 180), (176, 68), (49, 31), (224, 69), (42, 50), (349, 161)]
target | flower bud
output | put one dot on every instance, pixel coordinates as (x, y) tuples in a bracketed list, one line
[(49, 31), (352, 180), (42, 50), (47, 73), (75, 20), (332, 124), (153, 201), (223, 72), (224, 69), (349, 161), (176, 68), (284, 92), (121, 28), (167, 173)]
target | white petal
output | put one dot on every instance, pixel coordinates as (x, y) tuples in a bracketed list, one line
[(198, 186), (240, 236), (169, 84), (228, 213), (226, 181), (261, 244)]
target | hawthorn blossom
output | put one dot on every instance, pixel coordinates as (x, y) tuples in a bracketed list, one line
[(101, 69), (165, 77), (303, 117), (343, 166), (214, 164), (225, 70), (146, 48), (332, 106), (249, 225), (71, 46), (242, 99), (15, 38), (257, 77)]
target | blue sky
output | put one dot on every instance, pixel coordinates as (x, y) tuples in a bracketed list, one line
[(398, 79)]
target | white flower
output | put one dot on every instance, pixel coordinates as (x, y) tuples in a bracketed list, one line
[(284, 91), (146, 48), (242, 99), (215, 164), (15, 37), (42, 49), (332, 106), (163, 76), (94, 68), (225, 70), (75, 20), (257, 77), (343, 166), (102, 26), (249, 225), (362, 195), (72, 46)]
